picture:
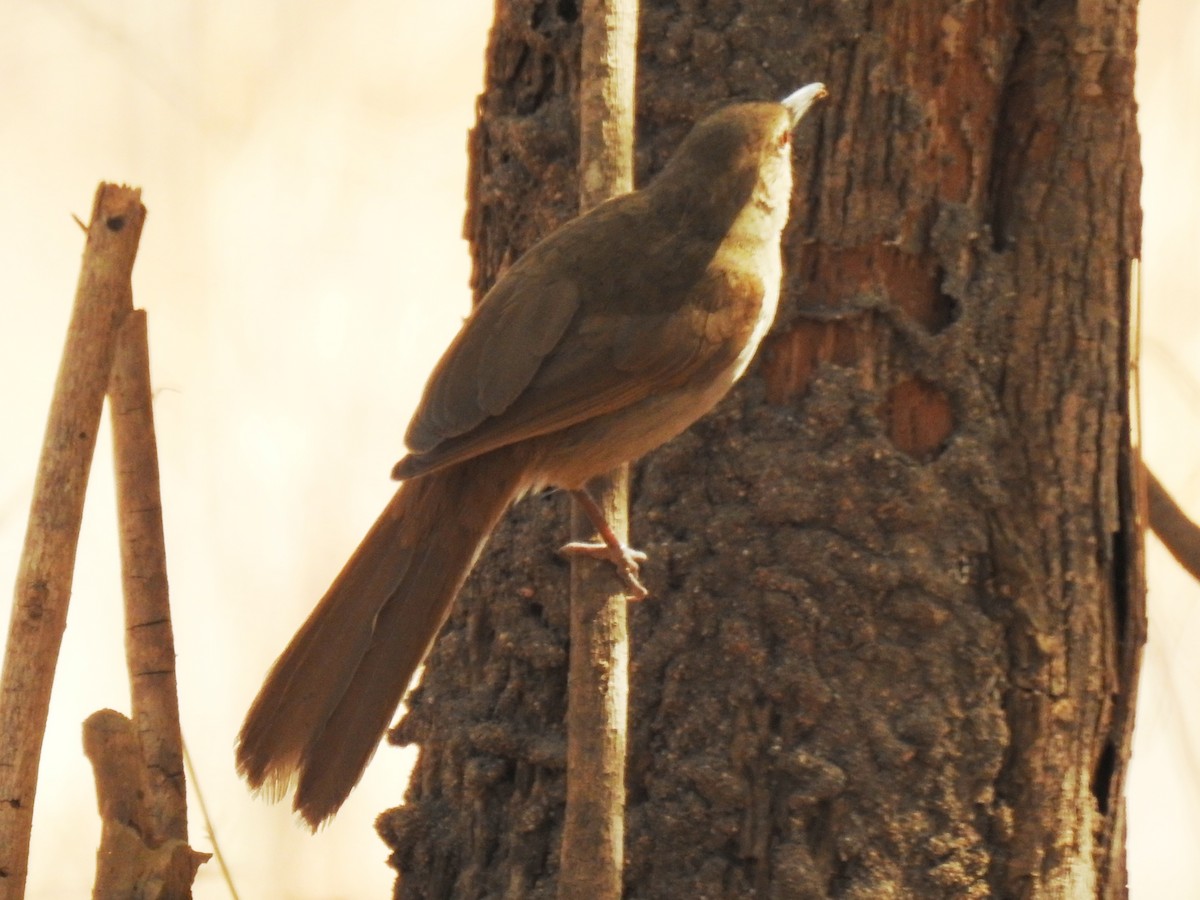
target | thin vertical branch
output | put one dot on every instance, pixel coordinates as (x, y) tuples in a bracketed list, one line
[(149, 641), (43, 587), (606, 100), (592, 854)]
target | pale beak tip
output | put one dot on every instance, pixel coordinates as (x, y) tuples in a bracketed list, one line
[(799, 102)]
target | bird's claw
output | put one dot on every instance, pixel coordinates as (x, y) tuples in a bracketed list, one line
[(624, 559)]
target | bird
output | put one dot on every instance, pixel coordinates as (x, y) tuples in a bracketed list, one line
[(607, 338)]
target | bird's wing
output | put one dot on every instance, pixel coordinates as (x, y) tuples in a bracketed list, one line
[(550, 356), (493, 359)]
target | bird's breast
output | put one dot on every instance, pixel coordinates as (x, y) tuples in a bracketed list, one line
[(750, 262), (742, 293)]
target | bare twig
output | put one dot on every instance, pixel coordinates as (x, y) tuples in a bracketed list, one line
[(592, 856), (149, 642), (43, 587), (1179, 534)]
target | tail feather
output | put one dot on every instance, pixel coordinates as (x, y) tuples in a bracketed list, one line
[(331, 695)]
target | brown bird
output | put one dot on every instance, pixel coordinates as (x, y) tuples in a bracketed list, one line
[(610, 336)]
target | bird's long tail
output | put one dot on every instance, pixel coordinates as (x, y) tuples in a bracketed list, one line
[(330, 696)]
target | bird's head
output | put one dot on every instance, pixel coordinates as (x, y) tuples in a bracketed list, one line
[(738, 153)]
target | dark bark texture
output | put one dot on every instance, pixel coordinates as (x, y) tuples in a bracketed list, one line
[(896, 614)]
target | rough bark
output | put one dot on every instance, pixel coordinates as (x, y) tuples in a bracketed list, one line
[(897, 602)]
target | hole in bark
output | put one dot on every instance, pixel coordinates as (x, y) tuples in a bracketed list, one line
[(1012, 145), (919, 418), (944, 309), (1102, 777), (1120, 558)]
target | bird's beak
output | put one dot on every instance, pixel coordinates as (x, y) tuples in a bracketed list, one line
[(797, 103)]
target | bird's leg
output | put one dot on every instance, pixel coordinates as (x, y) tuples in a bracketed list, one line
[(623, 557)]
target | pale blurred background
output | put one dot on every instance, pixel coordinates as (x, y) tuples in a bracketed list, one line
[(302, 263)]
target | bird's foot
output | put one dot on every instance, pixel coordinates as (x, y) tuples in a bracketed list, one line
[(623, 558)]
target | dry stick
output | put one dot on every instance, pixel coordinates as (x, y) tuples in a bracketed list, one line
[(592, 856), (127, 864), (1179, 534), (43, 588), (149, 642), (111, 745), (138, 762)]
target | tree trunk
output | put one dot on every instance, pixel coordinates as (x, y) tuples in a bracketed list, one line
[(896, 578)]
